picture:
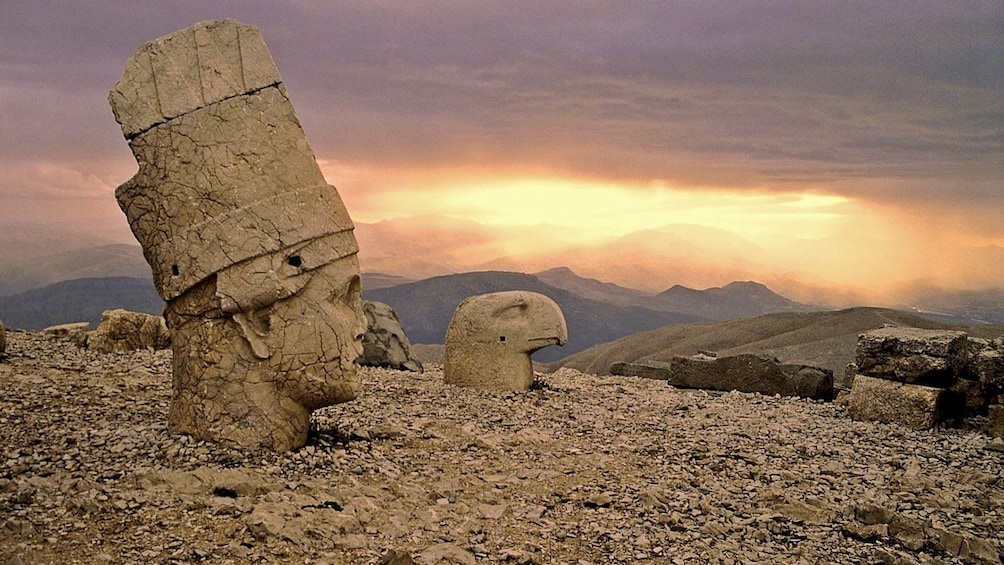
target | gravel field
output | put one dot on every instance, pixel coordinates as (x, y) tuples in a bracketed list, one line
[(580, 470)]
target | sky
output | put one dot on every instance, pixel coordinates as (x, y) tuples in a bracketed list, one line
[(858, 142)]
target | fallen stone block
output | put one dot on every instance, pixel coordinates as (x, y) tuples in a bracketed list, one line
[(650, 370), (121, 331), (70, 330), (986, 362), (749, 372), (912, 355), (880, 400)]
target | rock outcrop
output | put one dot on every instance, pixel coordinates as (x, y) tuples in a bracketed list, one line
[(919, 378), (746, 372), (250, 247), (491, 336), (385, 343), (912, 355), (120, 331)]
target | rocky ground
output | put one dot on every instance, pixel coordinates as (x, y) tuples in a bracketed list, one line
[(580, 470)]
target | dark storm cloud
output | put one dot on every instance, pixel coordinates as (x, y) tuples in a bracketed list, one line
[(772, 94)]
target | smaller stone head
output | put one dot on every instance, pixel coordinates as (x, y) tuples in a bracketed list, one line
[(491, 336)]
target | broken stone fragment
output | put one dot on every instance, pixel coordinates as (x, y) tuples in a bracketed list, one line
[(121, 331), (385, 343), (249, 246), (912, 355), (491, 336), (746, 372), (881, 400)]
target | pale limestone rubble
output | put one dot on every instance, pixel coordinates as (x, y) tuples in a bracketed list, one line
[(121, 331), (491, 336), (250, 247)]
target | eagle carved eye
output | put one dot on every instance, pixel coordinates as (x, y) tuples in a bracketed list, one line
[(513, 311)]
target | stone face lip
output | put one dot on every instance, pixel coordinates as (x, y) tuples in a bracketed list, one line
[(491, 336), (121, 331), (911, 355), (746, 372), (882, 400), (251, 249), (385, 343)]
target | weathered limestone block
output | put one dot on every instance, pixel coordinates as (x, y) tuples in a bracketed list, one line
[(911, 355), (385, 343), (121, 331), (491, 336), (986, 362), (68, 331), (748, 372), (995, 426), (880, 400), (648, 370), (251, 249)]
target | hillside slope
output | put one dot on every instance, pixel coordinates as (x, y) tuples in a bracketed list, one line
[(825, 339), (79, 300)]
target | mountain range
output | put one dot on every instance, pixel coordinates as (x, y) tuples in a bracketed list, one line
[(425, 308)]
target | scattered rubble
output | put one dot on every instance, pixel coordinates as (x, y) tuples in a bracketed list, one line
[(580, 469)]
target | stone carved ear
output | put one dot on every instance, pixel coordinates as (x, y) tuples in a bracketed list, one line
[(255, 327)]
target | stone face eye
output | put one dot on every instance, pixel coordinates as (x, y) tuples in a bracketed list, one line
[(295, 261)]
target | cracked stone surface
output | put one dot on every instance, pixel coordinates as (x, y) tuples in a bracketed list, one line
[(249, 246), (491, 336)]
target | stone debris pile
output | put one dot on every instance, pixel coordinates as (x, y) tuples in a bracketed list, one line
[(920, 378), (582, 469)]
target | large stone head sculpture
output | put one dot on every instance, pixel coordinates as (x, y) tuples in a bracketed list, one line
[(251, 249), (491, 336)]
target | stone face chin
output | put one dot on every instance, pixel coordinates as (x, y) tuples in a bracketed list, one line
[(249, 246), (491, 336)]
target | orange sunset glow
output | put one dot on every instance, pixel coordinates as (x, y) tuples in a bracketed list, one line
[(841, 154)]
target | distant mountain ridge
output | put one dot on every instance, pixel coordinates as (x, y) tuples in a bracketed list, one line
[(79, 300), (425, 308), (734, 300), (20, 273)]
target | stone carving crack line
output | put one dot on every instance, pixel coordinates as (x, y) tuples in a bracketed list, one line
[(221, 100)]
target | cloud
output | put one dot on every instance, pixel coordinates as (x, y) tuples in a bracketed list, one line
[(895, 107)]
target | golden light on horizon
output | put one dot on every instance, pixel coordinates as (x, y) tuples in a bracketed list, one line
[(594, 210)]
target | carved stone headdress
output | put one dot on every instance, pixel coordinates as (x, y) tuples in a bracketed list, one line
[(240, 180)]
